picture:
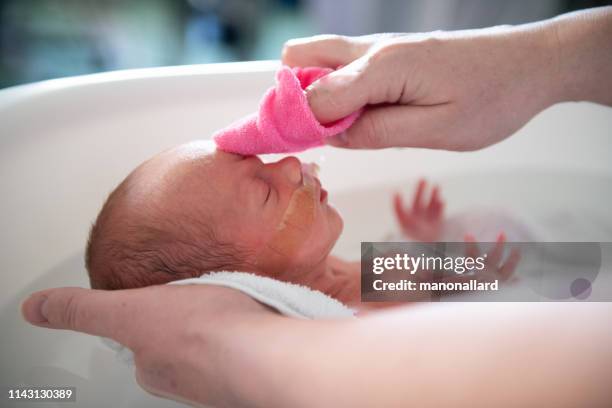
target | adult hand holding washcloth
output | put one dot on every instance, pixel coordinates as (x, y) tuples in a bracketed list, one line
[(284, 122), (459, 90)]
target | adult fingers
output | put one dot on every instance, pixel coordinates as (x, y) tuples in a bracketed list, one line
[(401, 126), (361, 77), (329, 51), (342, 92), (95, 312)]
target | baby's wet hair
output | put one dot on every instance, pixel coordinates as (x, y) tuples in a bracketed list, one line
[(140, 247)]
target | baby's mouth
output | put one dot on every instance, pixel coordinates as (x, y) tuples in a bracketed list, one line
[(309, 177), (323, 196)]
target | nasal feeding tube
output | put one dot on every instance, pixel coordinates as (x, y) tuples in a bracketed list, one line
[(296, 225)]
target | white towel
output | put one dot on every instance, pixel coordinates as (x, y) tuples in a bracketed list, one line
[(287, 298)]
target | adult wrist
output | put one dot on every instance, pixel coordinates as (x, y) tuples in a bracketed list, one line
[(544, 80), (250, 354), (584, 55)]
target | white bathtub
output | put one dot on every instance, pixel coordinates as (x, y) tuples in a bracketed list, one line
[(64, 144)]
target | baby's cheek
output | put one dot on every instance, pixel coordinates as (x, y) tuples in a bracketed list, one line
[(293, 231)]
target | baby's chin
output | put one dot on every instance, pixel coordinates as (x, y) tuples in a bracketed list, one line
[(335, 222), (329, 227)]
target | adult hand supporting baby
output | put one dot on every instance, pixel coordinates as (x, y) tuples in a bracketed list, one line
[(212, 345), (460, 90), (180, 336)]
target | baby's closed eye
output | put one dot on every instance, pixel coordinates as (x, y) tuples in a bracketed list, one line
[(264, 190)]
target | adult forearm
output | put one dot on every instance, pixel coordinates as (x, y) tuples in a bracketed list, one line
[(449, 355), (217, 346), (585, 55)]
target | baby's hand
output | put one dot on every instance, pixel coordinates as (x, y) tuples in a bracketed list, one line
[(423, 222), (495, 268)]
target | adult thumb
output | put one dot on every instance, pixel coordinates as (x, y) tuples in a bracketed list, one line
[(339, 93), (96, 312), (402, 126)]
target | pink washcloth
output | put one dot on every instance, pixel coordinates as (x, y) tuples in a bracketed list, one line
[(285, 123)]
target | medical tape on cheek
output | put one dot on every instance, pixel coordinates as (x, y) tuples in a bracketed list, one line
[(296, 225)]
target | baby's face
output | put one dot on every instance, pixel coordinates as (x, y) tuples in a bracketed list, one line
[(276, 211)]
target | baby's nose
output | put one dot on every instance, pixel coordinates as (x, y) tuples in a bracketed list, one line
[(291, 169)]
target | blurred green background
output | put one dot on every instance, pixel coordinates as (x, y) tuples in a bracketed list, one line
[(43, 39)]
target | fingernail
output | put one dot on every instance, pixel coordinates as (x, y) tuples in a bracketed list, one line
[(339, 140), (44, 308), (35, 310)]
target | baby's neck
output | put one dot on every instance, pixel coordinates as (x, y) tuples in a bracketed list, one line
[(334, 277)]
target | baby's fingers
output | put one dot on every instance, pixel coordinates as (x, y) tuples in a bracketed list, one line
[(508, 268), (403, 218), (417, 202), (398, 207), (471, 247), (495, 256), (434, 210)]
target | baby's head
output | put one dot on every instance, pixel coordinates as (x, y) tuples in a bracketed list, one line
[(190, 210)]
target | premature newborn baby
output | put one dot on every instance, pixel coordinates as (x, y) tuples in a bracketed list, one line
[(191, 210)]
